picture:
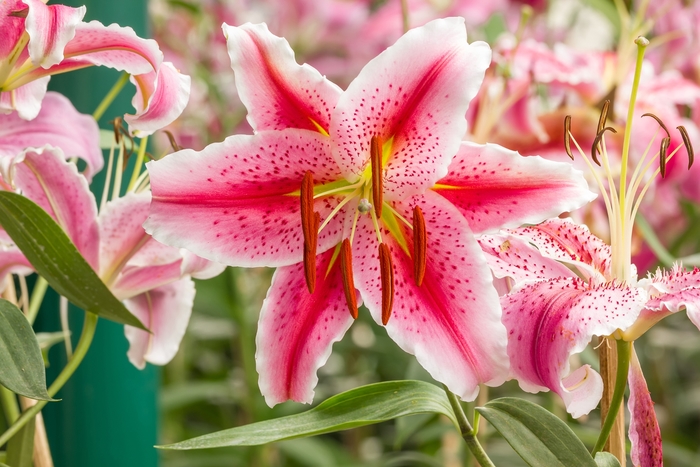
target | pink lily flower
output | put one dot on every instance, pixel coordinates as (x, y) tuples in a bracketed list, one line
[(58, 124), (563, 293), (40, 40), (331, 190), (153, 280)]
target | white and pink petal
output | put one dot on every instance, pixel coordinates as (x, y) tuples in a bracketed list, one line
[(50, 28), (165, 311), (644, 431), (297, 330), (414, 97), (452, 322), (495, 187)]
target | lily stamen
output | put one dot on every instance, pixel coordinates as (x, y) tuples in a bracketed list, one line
[(386, 267), (335, 210), (399, 216), (663, 150), (337, 190), (306, 196), (567, 136), (348, 281), (420, 245), (602, 120), (310, 256), (597, 141), (687, 144), (377, 174)]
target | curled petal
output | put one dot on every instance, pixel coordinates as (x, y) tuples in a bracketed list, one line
[(240, 198), (160, 98), (44, 176), (136, 280), (50, 28), (165, 311), (451, 322), (278, 92), (199, 268), (495, 187), (58, 124), (510, 256), (548, 321), (414, 97), (566, 241), (12, 261), (26, 100), (644, 431), (297, 330)]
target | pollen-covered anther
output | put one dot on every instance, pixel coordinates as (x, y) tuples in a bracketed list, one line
[(348, 281), (663, 151), (687, 144), (567, 136), (306, 196), (377, 174), (597, 140), (386, 269), (310, 255), (420, 245), (658, 120)]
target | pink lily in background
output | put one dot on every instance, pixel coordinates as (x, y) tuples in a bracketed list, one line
[(40, 40), (562, 293), (153, 280), (58, 124), (370, 190)]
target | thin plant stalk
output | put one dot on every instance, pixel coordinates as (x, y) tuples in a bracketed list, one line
[(467, 432)]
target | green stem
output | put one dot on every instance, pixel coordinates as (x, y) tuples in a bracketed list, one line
[(404, 16), (37, 297), (139, 162), (9, 405), (111, 95), (467, 432), (88, 333), (623, 366)]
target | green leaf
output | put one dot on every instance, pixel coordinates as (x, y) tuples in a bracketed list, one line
[(56, 259), (47, 340), (538, 436), (21, 364), (605, 459), (20, 448), (365, 405)]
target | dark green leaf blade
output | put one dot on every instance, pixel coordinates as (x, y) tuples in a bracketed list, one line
[(538, 436), (605, 459), (54, 256), (20, 448), (361, 406), (21, 364)]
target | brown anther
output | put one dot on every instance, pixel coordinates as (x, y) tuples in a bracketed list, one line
[(348, 281), (688, 145), (658, 120), (117, 125), (19, 13), (306, 196), (173, 142), (663, 150), (420, 245), (386, 269), (567, 136), (377, 174), (597, 140), (310, 255), (602, 120)]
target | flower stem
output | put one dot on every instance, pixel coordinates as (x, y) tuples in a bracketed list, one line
[(623, 365), (467, 432), (111, 95), (37, 297), (139, 162), (88, 333)]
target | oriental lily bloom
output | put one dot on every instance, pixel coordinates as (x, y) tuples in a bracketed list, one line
[(363, 196), (553, 311), (152, 279), (41, 40)]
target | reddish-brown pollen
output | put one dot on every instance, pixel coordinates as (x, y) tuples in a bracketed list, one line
[(420, 245), (386, 269), (309, 225), (663, 151), (687, 144), (377, 174), (567, 136), (310, 256), (348, 281)]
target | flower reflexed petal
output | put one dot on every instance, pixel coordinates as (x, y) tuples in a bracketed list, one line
[(644, 431)]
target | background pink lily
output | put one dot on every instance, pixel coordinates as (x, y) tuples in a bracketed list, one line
[(242, 196), (153, 280), (40, 40)]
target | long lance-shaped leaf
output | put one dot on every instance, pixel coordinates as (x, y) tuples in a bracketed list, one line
[(21, 364), (55, 258), (605, 459), (538, 436), (365, 405)]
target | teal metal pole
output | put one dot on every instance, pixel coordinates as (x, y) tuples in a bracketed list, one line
[(108, 413)]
